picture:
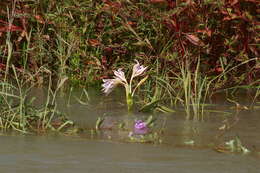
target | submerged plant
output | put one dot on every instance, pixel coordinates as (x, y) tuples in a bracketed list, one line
[(233, 146), (143, 132), (141, 127), (119, 78)]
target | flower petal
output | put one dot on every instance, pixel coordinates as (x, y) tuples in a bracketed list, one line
[(139, 124), (140, 127), (119, 74), (109, 85), (138, 69)]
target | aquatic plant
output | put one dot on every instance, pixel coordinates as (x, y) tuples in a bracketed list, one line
[(144, 133), (194, 91), (233, 146), (119, 78), (20, 114), (140, 127), (83, 40)]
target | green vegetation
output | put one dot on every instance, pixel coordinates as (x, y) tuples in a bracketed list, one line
[(19, 113), (193, 49)]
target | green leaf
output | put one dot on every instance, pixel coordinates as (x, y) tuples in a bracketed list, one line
[(99, 122), (140, 83), (149, 107), (150, 120), (166, 109)]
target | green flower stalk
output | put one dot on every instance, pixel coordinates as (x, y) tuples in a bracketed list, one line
[(119, 78)]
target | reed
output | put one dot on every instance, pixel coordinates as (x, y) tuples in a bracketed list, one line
[(160, 93), (84, 41), (8, 40), (19, 114), (193, 90)]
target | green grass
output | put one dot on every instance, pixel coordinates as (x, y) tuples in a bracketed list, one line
[(19, 114), (194, 91), (192, 52)]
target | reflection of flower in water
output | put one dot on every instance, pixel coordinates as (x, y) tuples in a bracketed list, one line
[(140, 127)]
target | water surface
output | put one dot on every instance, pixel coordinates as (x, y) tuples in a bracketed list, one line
[(107, 152)]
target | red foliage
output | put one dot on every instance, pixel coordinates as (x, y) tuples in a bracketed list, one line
[(9, 27)]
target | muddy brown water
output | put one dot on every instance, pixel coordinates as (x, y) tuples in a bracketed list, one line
[(100, 153)]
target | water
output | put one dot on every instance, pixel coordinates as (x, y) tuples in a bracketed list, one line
[(68, 154), (109, 153)]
